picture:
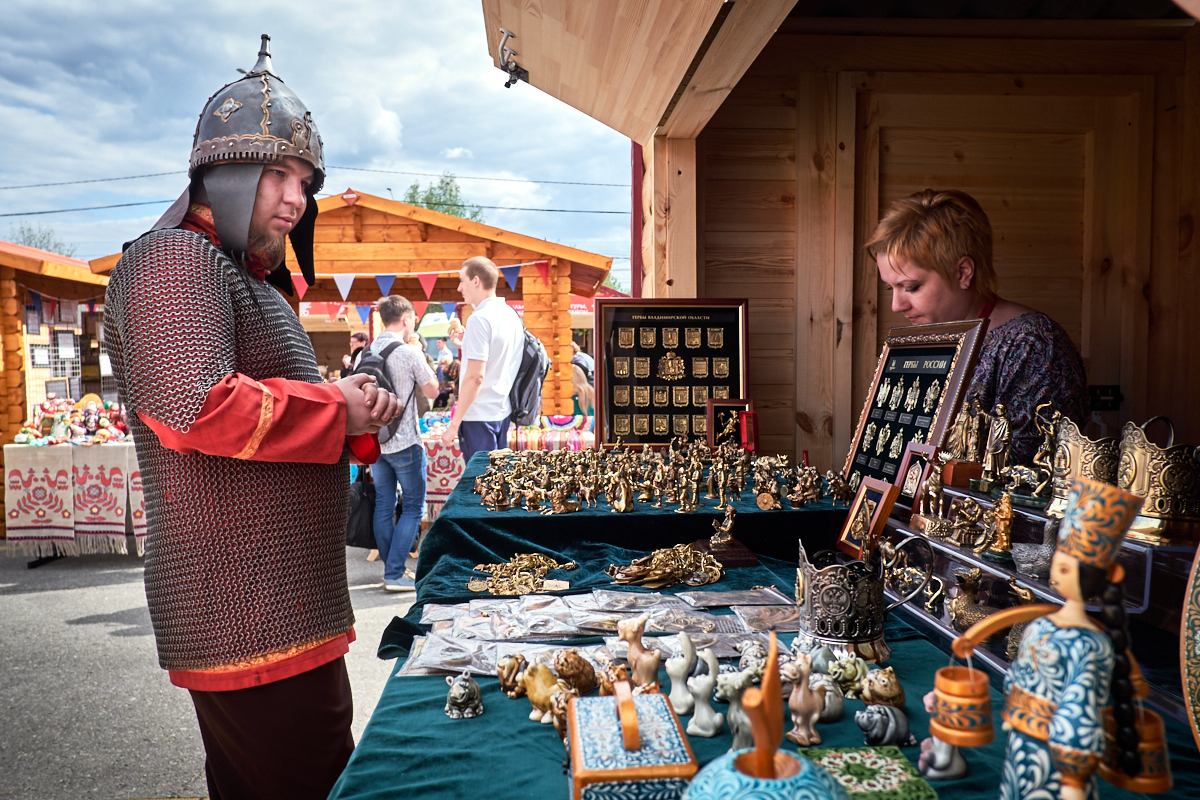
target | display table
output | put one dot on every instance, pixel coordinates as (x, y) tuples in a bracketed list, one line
[(73, 500), (411, 748)]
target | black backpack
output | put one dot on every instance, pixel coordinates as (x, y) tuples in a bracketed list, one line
[(375, 365), (526, 393)]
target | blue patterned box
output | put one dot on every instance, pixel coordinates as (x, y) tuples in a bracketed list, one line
[(601, 767)]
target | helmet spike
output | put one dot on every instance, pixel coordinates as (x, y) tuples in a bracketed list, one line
[(264, 58)]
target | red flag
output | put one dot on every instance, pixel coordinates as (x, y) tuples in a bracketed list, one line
[(543, 268), (336, 310), (300, 284), (427, 279), (49, 306), (419, 307)]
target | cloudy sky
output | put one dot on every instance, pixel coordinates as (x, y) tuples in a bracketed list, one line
[(107, 90)]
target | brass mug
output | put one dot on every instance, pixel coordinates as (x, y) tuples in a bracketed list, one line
[(1168, 478), (1077, 456)]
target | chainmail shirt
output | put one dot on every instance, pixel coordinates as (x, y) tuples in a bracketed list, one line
[(244, 559)]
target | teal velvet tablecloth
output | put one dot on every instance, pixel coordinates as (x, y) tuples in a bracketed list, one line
[(410, 748)]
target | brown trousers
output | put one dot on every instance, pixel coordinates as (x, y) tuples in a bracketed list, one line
[(288, 739)]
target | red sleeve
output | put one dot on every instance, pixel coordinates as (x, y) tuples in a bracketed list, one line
[(271, 420)]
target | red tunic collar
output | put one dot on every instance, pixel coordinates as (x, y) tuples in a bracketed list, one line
[(199, 219)]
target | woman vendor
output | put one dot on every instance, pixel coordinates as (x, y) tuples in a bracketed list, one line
[(934, 251)]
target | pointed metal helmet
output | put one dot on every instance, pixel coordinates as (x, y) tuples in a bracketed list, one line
[(255, 121)]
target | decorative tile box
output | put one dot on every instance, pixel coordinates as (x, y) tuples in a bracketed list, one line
[(640, 753)]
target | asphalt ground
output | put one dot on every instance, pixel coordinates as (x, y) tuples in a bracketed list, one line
[(85, 711)]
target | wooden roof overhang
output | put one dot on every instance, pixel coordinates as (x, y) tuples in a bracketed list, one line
[(642, 67), (51, 273)]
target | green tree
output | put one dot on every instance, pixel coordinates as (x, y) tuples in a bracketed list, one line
[(443, 196), (611, 282), (42, 238)]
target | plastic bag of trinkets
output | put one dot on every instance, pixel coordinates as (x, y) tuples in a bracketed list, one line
[(770, 618), (762, 596), (437, 612), (439, 654), (536, 625), (632, 602), (472, 626), (483, 606), (723, 645)]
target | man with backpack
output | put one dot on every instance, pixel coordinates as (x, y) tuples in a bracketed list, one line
[(402, 368), (491, 351)]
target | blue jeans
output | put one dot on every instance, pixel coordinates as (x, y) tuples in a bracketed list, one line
[(395, 539), (474, 436)]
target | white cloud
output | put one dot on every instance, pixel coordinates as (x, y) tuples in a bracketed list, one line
[(105, 90)]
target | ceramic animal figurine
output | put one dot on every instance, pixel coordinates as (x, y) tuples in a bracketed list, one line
[(806, 703), (558, 710), (705, 721), (1025, 597), (849, 672), (464, 700), (539, 684), (754, 657), (939, 761), (610, 675), (575, 670), (679, 667), (643, 663), (885, 726), (835, 701), (1034, 559), (729, 690), (508, 670), (882, 688)]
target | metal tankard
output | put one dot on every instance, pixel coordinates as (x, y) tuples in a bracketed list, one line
[(1169, 478), (841, 604), (1077, 456)]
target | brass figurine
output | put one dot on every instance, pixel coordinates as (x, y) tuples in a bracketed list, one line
[(995, 456)]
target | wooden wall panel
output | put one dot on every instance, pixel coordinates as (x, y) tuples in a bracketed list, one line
[(1032, 188)]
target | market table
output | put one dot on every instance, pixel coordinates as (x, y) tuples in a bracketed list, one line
[(73, 500), (411, 748)]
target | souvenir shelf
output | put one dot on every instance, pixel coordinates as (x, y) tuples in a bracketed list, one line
[(1154, 574)]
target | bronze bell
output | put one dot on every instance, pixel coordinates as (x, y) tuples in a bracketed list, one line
[(1077, 456), (1169, 478)]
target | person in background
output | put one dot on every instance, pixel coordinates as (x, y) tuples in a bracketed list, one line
[(403, 459), (934, 252), (585, 395), (584, 362), (358, 341), (444, 355), (491, 349), (447, 385)]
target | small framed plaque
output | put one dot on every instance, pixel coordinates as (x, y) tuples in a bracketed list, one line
[(722, 420), (918, 387), (914, 469), (665, 359), (864, 524)]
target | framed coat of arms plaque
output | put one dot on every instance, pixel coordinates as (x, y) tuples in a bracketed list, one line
[(674, 355)]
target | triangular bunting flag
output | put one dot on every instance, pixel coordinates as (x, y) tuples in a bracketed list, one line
[(427, 279), (449, 309), (91, 306), (543, 268), (511, 274), (364, 312), (385, 283), (336, 310), (419, 307), (35, 300), (49, 306), (300, 284), (344, 282)]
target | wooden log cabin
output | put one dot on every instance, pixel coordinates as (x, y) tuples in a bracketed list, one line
[(367, 236), (770, 134)]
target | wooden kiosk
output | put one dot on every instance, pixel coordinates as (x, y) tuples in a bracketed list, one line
[(769, 135), (366, 236)]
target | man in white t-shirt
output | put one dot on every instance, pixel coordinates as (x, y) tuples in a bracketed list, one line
[(491, 357)]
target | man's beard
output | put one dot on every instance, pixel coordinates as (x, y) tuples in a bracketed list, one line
[(268, 249)]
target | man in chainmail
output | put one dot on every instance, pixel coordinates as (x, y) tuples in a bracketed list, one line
[(244, 450)]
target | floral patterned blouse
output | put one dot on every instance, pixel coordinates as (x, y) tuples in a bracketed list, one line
[(1023, 363)]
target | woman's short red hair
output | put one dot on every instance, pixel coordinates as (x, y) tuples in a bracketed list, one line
[(934, 230)]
